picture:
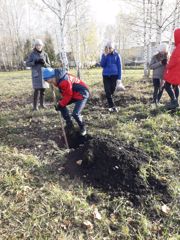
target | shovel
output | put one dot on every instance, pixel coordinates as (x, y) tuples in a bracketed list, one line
[(62, 125)]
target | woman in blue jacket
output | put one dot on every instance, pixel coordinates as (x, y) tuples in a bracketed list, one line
[(111, 64)]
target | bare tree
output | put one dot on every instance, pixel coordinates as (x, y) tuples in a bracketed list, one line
[(77, 39), (61, 9), (12, 14), (78, 31), (175, 23)]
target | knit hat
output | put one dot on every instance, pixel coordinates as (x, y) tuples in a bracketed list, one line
[(109, 44), (38, 42), (48, 73), (162, 47)]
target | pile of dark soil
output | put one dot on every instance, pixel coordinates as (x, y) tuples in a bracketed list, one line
[(113, 167)]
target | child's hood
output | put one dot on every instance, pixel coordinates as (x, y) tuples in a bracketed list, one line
[(177, 37)]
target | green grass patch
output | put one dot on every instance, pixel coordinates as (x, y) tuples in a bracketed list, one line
[(38, 202)]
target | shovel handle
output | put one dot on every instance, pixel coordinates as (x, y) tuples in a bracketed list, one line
[(62, 125)]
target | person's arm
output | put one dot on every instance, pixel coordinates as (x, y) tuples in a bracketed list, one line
[(119, 66), (153, 64), (30, 61), (103, 60), (66, 91)]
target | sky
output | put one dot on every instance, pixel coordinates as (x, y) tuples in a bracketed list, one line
[(104, 11)]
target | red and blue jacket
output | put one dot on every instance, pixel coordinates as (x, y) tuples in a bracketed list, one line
[(71, 88)]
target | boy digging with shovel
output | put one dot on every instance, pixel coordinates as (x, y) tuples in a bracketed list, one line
[(73, 90)]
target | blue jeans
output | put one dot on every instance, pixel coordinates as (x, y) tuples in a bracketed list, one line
[(76, 114)]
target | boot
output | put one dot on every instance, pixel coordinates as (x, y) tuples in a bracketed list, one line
[(35, 100), (173, 104), (70, 127), (79, 120), (42, 99)]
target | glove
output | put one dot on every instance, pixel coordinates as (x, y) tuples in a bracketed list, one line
[(164, 61), (40, 61), (57, 107), (120, 86)]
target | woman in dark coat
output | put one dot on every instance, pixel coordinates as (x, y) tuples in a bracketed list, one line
[(37, 60)]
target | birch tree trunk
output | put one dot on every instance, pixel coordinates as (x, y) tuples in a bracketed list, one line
[(150, 6), (3, 58), (145, 38), (61, 9), (77, 39), (176, 22), (159, 11), (62, 42)]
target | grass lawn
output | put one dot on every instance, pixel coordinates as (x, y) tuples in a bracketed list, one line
[(39, 201)]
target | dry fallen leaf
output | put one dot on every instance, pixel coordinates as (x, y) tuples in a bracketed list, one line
[(96, 214), (63, 226), (79, 162), (156, 228), (88, 224), (165, 209)]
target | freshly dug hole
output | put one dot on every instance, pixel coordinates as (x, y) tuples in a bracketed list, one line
[(114, 167)]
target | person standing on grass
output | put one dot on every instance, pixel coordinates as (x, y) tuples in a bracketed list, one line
[(172, 73), (158, 64), (72, 90), (111, 64), (36, 60)]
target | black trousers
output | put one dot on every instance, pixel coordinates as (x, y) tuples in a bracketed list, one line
[(109, 88), (172, 90), (157, 94)]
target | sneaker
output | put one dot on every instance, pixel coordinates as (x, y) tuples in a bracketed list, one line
[(113, 109), (153, 101), (35, 109), (110, 110), (173, 104), (159, 104), (83, 131), (43, 106)]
